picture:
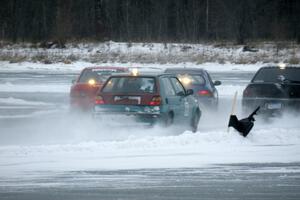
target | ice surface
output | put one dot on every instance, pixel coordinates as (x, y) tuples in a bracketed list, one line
[(80, 144), (9, 87), (156, 148), (14, 101)]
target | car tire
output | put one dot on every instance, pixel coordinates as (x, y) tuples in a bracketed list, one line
[(169, 119), (195, 121)]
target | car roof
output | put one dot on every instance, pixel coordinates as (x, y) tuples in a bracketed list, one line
[(186, 70), (278, 67), (275, 67), (108, 68), (143, 74)]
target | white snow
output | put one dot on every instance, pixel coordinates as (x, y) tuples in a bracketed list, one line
[(34, 114), (77, 66), (153, 52), (274, 142), (229, 90), (15, 101), (224, 90), (30, 66), (9, 87), (277, 141), (185, 150)]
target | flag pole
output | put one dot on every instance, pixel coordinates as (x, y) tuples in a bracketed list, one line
[(233, 107)]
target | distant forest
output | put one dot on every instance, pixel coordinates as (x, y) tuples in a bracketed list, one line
[(149, 20)]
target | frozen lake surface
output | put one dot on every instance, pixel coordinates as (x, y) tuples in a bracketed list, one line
[(46, 153)]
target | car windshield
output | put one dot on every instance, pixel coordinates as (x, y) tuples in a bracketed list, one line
[(188, 80), (277, 75), (98, 75), (130, 85)]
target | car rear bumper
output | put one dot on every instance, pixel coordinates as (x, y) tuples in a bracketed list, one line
[(271, 105), (128, 114)]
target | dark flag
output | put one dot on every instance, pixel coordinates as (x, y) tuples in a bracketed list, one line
[(243, 126)]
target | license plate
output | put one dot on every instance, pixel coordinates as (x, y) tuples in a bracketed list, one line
[(128, 99), (273, 106)]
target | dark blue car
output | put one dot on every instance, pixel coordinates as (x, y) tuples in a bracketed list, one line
[(200, 82), (275, 89), (149, 98)]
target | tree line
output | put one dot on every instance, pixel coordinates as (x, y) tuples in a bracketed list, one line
[(149, 20)]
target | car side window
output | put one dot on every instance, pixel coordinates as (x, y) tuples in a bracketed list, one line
[(169, 90), (112, 84), (177, 85), (86, 75)]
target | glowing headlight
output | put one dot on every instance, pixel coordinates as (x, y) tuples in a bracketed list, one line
[(185, 80), (92, 82), (282, 65), (134, 72)]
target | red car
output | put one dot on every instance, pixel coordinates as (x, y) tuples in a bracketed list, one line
[(84, 88)]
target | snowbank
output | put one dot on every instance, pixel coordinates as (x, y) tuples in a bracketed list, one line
[(186, 150), (152, 53), (78, 66)]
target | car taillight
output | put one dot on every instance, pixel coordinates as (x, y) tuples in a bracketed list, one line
[(99, 100), (155, 101), (206, 93)]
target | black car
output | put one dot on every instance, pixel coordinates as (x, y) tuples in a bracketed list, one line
[(148, 98), (274, 89), (200, 82)]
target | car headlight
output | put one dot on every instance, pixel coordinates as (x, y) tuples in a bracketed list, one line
[(135, 72), (185, 80), (282, 66), (92, 82)]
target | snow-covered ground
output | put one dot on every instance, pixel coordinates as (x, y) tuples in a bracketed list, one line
[(14, 101), (276, 141), (187, 150), (26, 67), (154, 53), (5, 66)]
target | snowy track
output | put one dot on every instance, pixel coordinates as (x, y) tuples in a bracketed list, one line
[(39, 137)]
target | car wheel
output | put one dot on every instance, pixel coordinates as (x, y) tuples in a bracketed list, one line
[(168, 121), (195, 121)]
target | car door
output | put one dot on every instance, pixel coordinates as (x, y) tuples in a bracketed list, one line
[(172, 102), (184, 108), (213, 88)]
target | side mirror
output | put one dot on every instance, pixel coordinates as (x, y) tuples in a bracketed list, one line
[(189, 92), (216, 83), (180, 94)]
